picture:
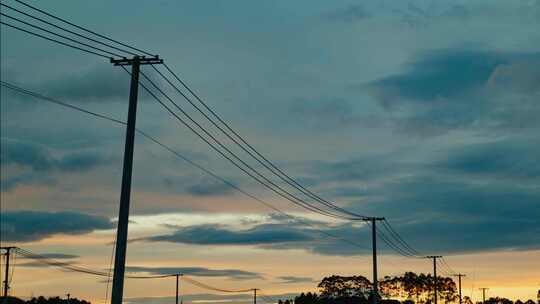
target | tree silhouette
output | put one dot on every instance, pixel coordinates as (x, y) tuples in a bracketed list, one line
[(334, 287), (43, 300), (418, 287), (414, 288)]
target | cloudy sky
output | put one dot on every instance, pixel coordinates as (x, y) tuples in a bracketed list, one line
[(425, 112)]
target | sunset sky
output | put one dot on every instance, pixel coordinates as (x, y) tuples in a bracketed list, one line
[(424, 112)]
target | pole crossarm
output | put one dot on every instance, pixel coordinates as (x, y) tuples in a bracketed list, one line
[(143, 60), (369, 219)]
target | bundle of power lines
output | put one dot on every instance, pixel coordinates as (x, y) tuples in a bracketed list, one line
[(34, 21), (46, 261)]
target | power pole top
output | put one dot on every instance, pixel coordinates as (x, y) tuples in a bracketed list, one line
[(433, 257), (7, 248), (371, 219), (141, 59)]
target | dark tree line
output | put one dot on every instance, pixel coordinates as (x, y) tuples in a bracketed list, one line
[(414, 288), (43, 300), (358, 290)]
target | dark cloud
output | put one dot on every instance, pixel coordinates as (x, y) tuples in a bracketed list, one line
[(462, 215), (466, 216), (508, 159), (292, 279), (439, 75), (283, 234), (217, 235), (28, 226), (42, 161), (456, 88), (198, 271)]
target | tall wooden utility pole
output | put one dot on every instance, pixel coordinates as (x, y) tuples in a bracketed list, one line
[(6, 276), (459, 275), (123, 215), (177, 285), (483, 289), (255, 295), (435, 292), (375, 291)]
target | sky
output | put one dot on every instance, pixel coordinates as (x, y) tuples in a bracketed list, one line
[(424, 112)]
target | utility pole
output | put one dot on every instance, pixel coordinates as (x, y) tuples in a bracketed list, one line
[(6, 276), (255, 295), (435, 293), (375, 291), (123, 214), (459, 275), (483, 289), (177, 284)]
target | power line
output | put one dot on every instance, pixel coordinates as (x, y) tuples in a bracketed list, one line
[(289, 180), (398, 243), (449, 269), (59, 35), (209, 287), (273, 186), (177, 154), (266, 181), (383, 236), (400, 239), (393, 245), (83, 28), (236, 138), (75, 268), (53, 40), (67, 266), (67, 30)]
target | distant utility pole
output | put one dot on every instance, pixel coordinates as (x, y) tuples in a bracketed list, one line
[(178, 275), (483, 289), (6, 276), (459, 275), (375, 292), (435, 293), (255, 295), (123, 215)]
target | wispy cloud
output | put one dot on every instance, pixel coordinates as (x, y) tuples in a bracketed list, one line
[(235, 274)]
